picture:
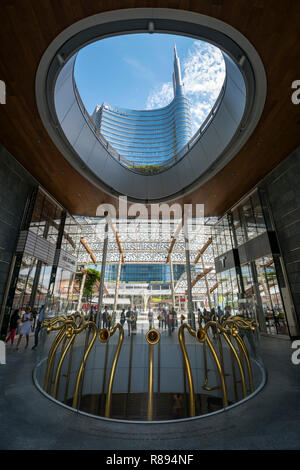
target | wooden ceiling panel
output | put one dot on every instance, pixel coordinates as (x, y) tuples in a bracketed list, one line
[(27, 28)]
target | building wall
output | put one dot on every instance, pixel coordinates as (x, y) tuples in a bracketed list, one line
[(150, 136), (282, 186), (16, 186), (159, 273)]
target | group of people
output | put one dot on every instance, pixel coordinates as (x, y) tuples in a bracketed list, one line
[(168, 320), (131, 317), (24, 322)]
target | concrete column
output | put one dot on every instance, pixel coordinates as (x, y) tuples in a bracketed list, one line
[(259, 306), (207, 285), (103, 266), (189, 280), (117, 283), (172, 281), (81, 291)]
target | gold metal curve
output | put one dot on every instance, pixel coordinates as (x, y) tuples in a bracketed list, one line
[(60, 363), (50, 362), (104, 335), (82, 365), (152, 336), (187, 364), (113, 367)]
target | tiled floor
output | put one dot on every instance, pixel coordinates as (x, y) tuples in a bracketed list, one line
[(270, 420)]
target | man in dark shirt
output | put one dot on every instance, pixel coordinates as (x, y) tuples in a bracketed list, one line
[(38, 327)]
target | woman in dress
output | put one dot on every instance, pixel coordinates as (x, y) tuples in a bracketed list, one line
[(26, 327)]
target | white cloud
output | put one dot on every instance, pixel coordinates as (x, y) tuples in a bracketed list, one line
[(203, 73)]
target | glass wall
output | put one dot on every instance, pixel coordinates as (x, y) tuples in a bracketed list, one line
[(253, 288), (35, 281), (157, 273)]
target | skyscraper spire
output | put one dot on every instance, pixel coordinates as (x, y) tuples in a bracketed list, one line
[(177, 81), (175, 50)]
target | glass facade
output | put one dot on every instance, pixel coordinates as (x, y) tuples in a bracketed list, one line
[(148, 138), (42, 275), (147, 273), (251, 288)]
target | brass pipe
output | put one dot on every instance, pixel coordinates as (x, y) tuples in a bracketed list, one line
[(240, 366), (221, 373), (158, 367), (187, 364), (113, 368), (239, 322), (104, 338), (68, 373), (150, 384), (204, 386), (245, 353), (87, 337), (218, 364), (50, 362), (129, 375), (59, 366), (234, 376), (152, 337), (85, 357), (130, 364)]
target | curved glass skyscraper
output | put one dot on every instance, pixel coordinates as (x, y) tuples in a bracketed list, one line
[(149, 137)]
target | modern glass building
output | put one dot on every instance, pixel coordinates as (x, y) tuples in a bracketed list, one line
[(148, 273), (149, 137)]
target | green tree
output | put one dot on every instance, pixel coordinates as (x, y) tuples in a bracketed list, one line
[(92, 276)]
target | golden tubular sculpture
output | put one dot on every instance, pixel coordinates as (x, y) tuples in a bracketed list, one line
[(68, 374), (205, 386), (51, 356), (237, 323), (104, 336), (86, 354), (218, 363), (244, 351), (187, 364), (70, 335), (113, 367), (232, 331), (152, 337)]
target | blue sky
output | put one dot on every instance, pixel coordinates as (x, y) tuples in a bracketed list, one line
[(135, 71)]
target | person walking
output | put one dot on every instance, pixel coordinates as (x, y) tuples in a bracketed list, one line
[(122, 317), (34, 315), (199, 318), (25, 328), (174, 318), (13, 325), (38, 327), (150, 318), (104, 317), (128, 316), (164, 314), (170, 322), (135, 313)]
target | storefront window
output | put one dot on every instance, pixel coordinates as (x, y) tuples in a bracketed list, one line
[(270, 296), (25, 282)]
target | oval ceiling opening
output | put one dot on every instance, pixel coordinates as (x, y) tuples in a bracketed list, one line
[(149, 94)]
